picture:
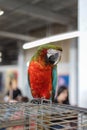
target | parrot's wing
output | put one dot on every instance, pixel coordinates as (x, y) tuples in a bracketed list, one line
[(54, 82)]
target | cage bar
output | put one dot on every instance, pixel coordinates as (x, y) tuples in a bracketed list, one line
[(42, 115)]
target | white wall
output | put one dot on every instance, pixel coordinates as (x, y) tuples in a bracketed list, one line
[(82, 53), (8, 67), (73, 70), (63, 68)]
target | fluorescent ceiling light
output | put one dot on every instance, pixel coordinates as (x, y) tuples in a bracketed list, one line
[(51, 39), (1, 12)]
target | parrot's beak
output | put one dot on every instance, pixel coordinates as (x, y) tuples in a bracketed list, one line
[(54, 57)]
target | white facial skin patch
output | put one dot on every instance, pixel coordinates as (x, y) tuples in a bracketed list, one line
[(51, 52)]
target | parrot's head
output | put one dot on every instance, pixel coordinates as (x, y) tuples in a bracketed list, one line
[(50, 53)]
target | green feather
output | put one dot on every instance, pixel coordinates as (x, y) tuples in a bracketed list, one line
[(49, 47), (45, 47)]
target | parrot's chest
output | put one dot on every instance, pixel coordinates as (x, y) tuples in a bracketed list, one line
[(40, 73), (40, 78)]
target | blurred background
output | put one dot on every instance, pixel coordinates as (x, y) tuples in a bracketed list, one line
[(23, 21)]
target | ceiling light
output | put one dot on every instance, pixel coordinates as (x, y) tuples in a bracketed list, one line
[(1, 12), (51, 39)]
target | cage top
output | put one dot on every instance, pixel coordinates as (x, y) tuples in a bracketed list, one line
[(42, 114)]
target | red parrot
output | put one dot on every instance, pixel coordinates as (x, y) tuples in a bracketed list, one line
[(40, 70)]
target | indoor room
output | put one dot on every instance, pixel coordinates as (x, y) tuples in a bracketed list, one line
[(43, 65)]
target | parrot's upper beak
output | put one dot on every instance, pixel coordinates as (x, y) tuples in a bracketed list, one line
[(53, 56)]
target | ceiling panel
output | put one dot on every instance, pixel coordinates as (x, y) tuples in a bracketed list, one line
[(29, 17)]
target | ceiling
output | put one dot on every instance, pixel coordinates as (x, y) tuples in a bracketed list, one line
[(22, 18)]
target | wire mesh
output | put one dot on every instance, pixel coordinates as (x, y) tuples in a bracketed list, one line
[(42, 115)]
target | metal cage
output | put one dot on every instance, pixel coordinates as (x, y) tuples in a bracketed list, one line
[(42, 115)]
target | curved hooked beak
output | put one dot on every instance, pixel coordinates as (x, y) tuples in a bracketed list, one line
[(54, 57)]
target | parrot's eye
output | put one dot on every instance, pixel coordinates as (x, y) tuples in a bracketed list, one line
[(53, 56)]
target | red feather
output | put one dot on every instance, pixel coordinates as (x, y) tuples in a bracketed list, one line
[(40, 80)]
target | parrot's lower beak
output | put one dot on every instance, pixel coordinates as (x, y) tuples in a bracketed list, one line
[(52, 59)]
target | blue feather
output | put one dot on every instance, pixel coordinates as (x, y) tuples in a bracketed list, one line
[(54, 80)]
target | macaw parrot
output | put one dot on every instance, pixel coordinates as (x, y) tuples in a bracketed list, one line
[(42, 71)]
